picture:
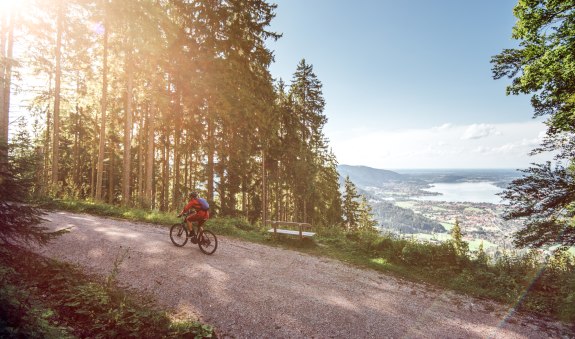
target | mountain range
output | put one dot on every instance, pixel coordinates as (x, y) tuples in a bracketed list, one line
[(367, 176)]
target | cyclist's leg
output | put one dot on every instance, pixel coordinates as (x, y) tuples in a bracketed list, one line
[(196, 218), (201, 225), (203, 216), (189, 221)]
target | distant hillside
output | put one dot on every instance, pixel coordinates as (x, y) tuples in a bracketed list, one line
[(367, 176), (404, 220), (371, 182)]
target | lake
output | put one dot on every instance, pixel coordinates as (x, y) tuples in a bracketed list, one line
[(464, 191)]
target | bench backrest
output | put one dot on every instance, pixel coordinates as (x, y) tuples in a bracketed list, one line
[(276, 224)]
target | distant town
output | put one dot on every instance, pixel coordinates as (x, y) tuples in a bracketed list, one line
[(478, 221), (405, 204)]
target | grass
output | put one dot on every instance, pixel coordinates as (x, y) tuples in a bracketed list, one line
[(42, 298), (521, 281), (107, 210)]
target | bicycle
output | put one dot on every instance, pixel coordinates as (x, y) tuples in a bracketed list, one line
[(206, 239)]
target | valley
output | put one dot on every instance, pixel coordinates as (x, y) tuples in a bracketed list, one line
[(424, 204)]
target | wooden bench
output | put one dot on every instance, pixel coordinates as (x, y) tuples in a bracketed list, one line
[(300, 226)]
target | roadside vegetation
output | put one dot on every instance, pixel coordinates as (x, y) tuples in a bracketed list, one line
[(526, 281), (42, 298)]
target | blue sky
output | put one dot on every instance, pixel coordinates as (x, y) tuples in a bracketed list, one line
[(408, 84)]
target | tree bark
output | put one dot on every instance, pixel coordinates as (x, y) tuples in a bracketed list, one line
[(102, 143), (56, 127), (211, 170), (126, 168), (176, 195), (149, 189), (7, 47), (141, 162), (264, 191), (3, 112)]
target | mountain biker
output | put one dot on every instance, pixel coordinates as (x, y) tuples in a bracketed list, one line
[(201, 213)]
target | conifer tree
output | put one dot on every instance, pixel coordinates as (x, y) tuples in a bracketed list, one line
[(307, 106), (366, 219), (482, 257), (350, 205), (461, 247), (180, 94)]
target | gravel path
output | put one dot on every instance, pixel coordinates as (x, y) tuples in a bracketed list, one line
[(248, 290)]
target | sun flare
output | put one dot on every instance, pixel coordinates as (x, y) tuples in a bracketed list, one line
[(10, 6)]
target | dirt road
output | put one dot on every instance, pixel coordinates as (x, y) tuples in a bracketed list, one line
[(247, 290)]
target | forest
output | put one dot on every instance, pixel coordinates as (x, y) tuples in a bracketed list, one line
[(136, 103)]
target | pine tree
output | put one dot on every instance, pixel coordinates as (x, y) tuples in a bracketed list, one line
[(366, 221), (482, 257), (307, 106), (461, 247), (350, 205)]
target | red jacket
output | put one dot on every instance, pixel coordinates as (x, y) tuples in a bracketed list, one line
[(195, 204)]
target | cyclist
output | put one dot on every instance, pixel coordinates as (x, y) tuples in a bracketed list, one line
[(201, 209)]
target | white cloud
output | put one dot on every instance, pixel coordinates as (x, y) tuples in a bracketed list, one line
[(443, 127), (484, 146), (478, 131)]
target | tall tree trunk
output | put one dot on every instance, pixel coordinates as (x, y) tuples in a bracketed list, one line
[(76, 150), (163, 191), (111, 162), (111, 172), (211, 146), (186, 170), (3, 112), (126, 167), (176, 195), (149, 189), (47, 134), (141, 163), (104, 104), (56, 128), (6, 46), (94, 165), (264, 191)]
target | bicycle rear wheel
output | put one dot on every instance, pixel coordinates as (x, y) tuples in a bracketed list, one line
[(208, 242), (179, 234)]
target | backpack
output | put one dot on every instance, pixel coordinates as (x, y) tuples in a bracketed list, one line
[(204, 204)]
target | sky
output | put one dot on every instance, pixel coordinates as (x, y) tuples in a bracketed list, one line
[(408, 84)]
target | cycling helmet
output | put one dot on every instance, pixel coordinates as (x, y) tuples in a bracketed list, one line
[(193, 195)]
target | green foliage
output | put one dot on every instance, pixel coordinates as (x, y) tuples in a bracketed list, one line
[(357, 212), (41, 298), (19, 221), (405, 220), (236, 227), (350, 204), (482, 257), (20, 314), (109, 210), (544, 198), (543, 65), (461, 247)]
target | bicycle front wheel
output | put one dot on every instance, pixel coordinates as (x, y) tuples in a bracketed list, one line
[(208, 242), (178, 234)]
